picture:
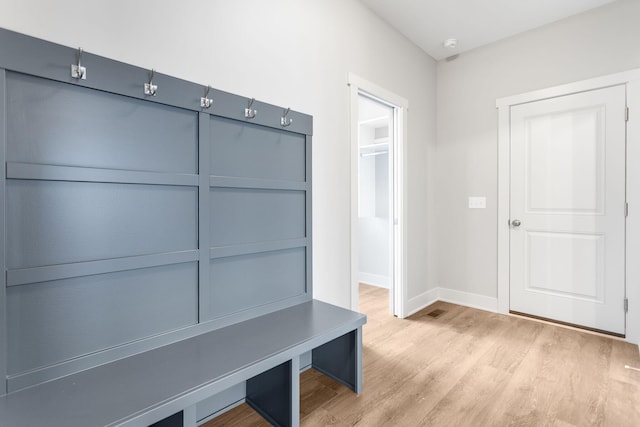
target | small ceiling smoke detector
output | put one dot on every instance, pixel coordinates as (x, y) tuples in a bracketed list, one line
[(450, 43)]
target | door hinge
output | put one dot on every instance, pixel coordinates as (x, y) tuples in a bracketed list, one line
[(626, 114), (626, 305), (626, 209)]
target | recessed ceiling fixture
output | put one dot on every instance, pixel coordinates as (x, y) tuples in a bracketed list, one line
[(450, 43)]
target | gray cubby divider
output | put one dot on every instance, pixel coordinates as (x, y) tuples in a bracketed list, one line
[(135, 221)]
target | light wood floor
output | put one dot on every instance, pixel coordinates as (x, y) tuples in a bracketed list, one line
[(472, 368)]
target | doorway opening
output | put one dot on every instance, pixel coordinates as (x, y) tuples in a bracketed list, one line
[(376, 133), (377, 123)]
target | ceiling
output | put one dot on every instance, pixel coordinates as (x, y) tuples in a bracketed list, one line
[(472, 22)]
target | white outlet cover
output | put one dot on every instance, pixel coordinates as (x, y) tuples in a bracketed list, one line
[(477, 202)]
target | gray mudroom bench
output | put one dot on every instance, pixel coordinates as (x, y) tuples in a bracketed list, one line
[(155, 249), (167, 383)]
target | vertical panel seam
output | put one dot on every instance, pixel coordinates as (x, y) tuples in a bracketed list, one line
[(309, 228), (3, 288), (204, 269)]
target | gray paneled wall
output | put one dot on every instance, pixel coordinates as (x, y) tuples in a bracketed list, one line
[(246, 281), (134, 221), (54, 123), (63, 222), (240, 215), (252, 151), (53, 321)]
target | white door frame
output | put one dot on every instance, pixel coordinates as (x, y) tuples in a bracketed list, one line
[(356, 85), (632, 81)]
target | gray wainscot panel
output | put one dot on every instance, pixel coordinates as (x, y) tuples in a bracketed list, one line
[(247, 281), (220, 402), (245, 215), (56, 123), (56, 222), (247, 150), (50, 322), (122, 210)]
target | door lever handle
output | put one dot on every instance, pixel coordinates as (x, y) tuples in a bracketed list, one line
[(516, 223)]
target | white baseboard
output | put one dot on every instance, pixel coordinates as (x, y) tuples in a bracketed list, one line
[(468, 299), (453, 296), (374, 280), (421, 301)]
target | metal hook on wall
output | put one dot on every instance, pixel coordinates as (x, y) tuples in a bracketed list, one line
[(284, 120), (150, 88), (77, 70), (250, 113), (205, 101)]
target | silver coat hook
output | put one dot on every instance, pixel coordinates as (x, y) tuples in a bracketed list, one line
[(250, 113), (150, 88), (284, 120), (77, 70), (205, 101)]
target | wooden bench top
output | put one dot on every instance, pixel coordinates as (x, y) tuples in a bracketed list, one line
[(144, 388)]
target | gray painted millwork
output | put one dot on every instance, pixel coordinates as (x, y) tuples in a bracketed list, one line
[(172, 377), (143, 237), (330, 359), (175, 420), (3, 231), (35, 57), (241, 216), (256, 152), (49, 124), (50, 322), (256, 279), (265, 393), (220, 401), (55, 222), (105, 187)]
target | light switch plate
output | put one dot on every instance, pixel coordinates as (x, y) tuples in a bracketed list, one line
[(477, 202)]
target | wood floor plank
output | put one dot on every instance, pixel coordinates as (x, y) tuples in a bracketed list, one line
[(322, 417), (316, 390), (625, 408), (467, 367), (240, 416), (487, 377), (401, 365)]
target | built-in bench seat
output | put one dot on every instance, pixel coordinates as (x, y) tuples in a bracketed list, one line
[(163, 385)]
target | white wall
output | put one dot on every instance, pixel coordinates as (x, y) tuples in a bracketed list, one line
[(287, 52), (598, 42)]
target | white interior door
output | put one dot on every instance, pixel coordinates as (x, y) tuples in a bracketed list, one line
[(567, 209)]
